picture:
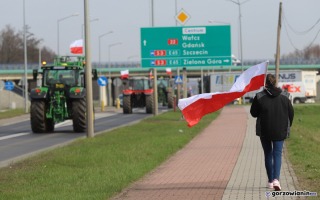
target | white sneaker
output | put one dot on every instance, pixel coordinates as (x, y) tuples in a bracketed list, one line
[(270, 185), (276, 185)]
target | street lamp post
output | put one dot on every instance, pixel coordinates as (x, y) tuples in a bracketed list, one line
[(102, 88), (82, 27), (25, 59), (109, 65), (240, 29), (240, 32), (151, 14), (88, 72), (58, 31), (100, 45), (176, 11), (39, 67)]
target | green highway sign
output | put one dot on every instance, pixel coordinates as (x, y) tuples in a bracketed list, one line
[(186, 46)]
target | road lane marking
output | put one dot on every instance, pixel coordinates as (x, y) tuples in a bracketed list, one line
[(13, 136), (62, 124)]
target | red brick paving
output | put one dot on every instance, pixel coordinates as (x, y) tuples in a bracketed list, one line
[(202, 169)]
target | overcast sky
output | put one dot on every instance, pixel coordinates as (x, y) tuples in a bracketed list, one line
[(126, 17)]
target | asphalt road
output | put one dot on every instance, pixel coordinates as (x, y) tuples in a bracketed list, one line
[(18, 142)]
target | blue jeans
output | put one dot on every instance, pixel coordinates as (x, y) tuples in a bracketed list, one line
[(272, 157)]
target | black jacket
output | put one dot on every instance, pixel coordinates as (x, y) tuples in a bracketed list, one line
[(274, 113)]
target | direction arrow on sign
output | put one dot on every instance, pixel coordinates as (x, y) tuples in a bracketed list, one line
[(102, 81)]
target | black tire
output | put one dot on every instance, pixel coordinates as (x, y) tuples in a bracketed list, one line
[(127, 105), (170, 99), (38, 117), (297, 101), (79, 115), (149, 104)]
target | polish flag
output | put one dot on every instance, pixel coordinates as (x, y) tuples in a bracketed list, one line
[(150, 74), (195, 107), (76, 47), (168, 71), (124, 74)]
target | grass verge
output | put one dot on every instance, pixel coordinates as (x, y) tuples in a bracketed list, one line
[(99, 167), (11, 113), (304, 147)]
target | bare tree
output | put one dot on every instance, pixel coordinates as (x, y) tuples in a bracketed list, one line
[(47, 54), (312, 52), (307, 53), (11, 47)]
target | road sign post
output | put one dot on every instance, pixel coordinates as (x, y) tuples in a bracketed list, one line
[(186, 46), (178, 79), (9, 85), (102, 82), (1, 88)]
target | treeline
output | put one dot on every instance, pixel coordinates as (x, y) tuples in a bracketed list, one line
[(12, 47), (307, 53)]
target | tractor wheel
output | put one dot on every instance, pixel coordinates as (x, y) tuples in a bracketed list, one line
[(149, 103), (170, 99), (38, 117), (79, 115), (127, 106)]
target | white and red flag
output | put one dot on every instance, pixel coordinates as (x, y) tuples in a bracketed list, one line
[(150, 74), (124, 74), (168, 71), (76, 47), (195, 107)]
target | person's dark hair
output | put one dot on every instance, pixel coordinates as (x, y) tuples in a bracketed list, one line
[(270, 80)]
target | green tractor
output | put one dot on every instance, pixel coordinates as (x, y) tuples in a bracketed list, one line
[(61, 96), (166, 92)]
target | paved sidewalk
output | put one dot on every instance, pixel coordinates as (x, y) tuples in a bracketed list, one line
[(225, 161)]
